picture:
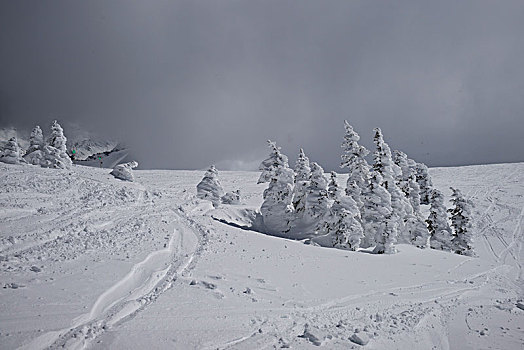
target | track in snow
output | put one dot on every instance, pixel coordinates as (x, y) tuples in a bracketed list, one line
[(145, 282)]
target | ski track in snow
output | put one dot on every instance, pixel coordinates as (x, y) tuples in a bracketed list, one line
[(146, 281)]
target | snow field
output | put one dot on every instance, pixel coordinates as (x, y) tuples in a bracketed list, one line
[(100, 263)]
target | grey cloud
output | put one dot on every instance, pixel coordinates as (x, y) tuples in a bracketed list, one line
[(191, 83)]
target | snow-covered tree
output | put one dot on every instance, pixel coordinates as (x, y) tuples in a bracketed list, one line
[(353, 158), (379, 227), (210, 188), (124, 171), (317, 202), (418, 231), (57, 138), (12, 152), (461, 215), (389, 171), (425, 183), (54, 154), (277, 209), (333, 189), (232, 197), (302, 175), (407, 181), (438, 226), (275, 161), (36, 141), (342, 221)]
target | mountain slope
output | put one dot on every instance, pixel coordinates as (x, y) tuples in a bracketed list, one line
[(145, 264)]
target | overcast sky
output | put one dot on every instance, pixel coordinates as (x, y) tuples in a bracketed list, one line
[(190, 83)]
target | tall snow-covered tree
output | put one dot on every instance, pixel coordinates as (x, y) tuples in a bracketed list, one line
[(437, 221), (55, 153), (12, 152), (407, 181), (302, 175), (353, 158), (277, 209), (342, 221), (461, 214), (36, 141), (389, 171), (379, 227), (210, 188), (275, 161), (57, 138), (424, 181), (414, 224), (317, 202)]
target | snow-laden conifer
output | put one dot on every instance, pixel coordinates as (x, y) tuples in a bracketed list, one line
[(353, 158), (425, 183), (124, 171), (36, 141), (54, 154), (342, 222), (437, 221), (376, 213), (418, 231), (407, 181), (232, 197), (461, 214), (57, 138), (12, 152), (414, 225), (389, 171), (302, 175), (277, 209), (317, 202), (275, 161), (210, 188)]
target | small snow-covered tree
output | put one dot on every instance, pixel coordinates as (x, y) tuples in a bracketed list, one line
[(12, 152), (461, 215), (437, 221), (353, 158), (232, 197), (342, 221), (417, 230), (424, 181), (302, 175), (277, 209), (210, 188), (317, 203), (389, 171), (379, 227), (36, 141), (124, 171), (275, 161)]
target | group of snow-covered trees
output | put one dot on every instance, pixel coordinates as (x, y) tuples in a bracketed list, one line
[(50, 153), (380, 206)]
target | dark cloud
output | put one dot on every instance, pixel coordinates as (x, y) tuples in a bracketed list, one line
[(190, 83)]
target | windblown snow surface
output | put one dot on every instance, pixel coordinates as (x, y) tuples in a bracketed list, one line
[(89, 261)]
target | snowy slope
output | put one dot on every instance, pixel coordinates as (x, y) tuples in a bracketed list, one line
[(88, 261)]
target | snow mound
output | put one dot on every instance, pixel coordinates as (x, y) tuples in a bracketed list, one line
[(124, 171)]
